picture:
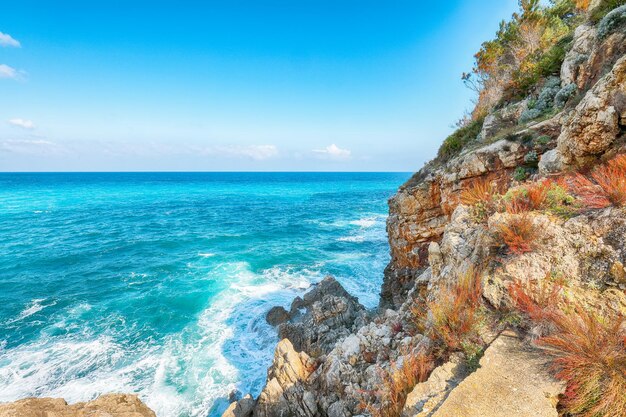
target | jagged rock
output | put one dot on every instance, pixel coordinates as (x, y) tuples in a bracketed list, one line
[(330, 315), (513, 380), (428, 396), (277, 315), (594, 124), (109, 405), (284, 393), (241, 408)]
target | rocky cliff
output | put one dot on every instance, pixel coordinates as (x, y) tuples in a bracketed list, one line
[(513, 242), (336, 360)]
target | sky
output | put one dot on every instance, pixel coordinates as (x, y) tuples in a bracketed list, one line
[(258, 85)]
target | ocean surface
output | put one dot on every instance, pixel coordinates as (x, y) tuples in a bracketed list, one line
[(158, 283)]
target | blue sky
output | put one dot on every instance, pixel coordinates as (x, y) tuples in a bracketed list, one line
[(266, 85)]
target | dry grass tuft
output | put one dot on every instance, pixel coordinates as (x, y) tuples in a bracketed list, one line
[(533, 197), (455, 312), (480, 190), (590, 356), (397, 383), (604, 187), (538, 300), (589, 352), (480, 195), (518, 233)]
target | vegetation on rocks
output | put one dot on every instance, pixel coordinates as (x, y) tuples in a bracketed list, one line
[(604, 186), (454, 143), (589, 350)]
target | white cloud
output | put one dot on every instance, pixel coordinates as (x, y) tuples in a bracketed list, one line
[(256, 152), (334, 152), (31, 147), (8, 72), (8, 40), (23, 123)]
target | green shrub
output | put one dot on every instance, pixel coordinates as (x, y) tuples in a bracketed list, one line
[(560, 202), (611, 22), (454, 144), (520, 174), (542, 140), (531, 158), (604, 8)]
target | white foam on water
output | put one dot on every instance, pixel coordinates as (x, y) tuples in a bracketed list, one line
[(229, 346), (353, 239), (365, 222), (206, 255), (33, 307)]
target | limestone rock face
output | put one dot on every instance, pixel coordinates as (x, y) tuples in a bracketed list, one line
[(110, 405), (596, 122), (576, 57), (501, 119), (513, 380)]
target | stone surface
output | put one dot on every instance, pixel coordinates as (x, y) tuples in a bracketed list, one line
[(576, 57), (428, 396), (512, 380), (595, 122), (109, 405), (242, 408)]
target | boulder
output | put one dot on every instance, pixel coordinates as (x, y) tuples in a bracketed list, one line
[(109, 405), (277, 315), (241, 408)]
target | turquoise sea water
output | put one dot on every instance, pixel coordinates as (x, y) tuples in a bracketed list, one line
[(158, 283)]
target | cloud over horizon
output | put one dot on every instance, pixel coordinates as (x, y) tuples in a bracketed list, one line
[(334, 152), (7, 40), (22, 123)]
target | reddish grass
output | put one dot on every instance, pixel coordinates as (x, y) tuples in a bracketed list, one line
[(455, 312), (537, 194), (537, 299), (518, 233), (397, 383), (605, 186), (589, 354), (530, 198)]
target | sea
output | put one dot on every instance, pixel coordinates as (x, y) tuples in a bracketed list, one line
[(158, 283)]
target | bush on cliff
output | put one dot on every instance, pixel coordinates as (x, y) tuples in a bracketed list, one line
[(589, 351), (526, 49), (454, 144), (604, 8)]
